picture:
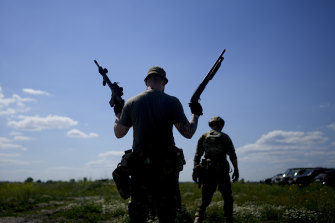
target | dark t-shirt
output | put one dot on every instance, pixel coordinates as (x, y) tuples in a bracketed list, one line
[(152, 114)]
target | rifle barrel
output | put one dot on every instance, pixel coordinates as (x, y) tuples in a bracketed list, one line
[(216, 66), (196, 95)]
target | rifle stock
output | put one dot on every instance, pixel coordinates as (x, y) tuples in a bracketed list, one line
[(196, 95)]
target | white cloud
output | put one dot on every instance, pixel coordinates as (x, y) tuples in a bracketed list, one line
[(22, 138), (325, 105), (7, 159), (13, 105), (15, 133), (36, 123), (111, 153), (7, 111), (9, 162), (7, 144), (102, 163), (281, 140), (75, 133), (331, 126), (35, 92), (105, 160), (15, 99), (17, 136), (279, 150), (6, 155)]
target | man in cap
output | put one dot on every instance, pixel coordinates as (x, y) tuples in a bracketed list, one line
[(154, 178), (214, 168)]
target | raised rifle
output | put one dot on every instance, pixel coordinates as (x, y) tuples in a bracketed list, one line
[(196, 95), (117, 91)]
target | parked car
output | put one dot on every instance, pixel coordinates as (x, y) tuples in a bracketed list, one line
[(326, 178), (308, 176), (266, 180), (271, 180), (276, 178), (289, 174), (298, 172)]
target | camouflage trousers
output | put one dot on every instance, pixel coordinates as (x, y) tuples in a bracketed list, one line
[(213, 180), (154, 192)]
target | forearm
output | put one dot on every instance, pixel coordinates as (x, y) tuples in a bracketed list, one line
[(120, 130), (188, 129), (196, 159), (234, 162), (199, 151), (118, 117)]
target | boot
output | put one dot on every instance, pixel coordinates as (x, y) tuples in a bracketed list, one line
[(198, 219), (199, 216)]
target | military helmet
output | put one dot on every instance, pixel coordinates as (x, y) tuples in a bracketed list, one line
[(157, 71), (216, 120)]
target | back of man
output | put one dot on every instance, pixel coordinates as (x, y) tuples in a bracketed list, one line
[(217, 145), (155, 181), (154, 173), (152, 115)]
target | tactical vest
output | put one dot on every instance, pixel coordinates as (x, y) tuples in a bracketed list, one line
[(215, 147)]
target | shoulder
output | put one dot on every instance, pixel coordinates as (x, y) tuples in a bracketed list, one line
[(170, 97), (152, 93), (225, 135), (135, 99), (215, 134), (171, 101), (207, 134)]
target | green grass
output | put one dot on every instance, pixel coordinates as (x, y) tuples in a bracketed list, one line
[(96, 201), (265, 203)]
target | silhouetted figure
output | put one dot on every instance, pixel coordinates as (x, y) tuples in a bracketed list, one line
[(155, 162), (213, 171)]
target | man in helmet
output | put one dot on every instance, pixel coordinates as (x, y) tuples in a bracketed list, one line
[(154, 176), (215, 145)]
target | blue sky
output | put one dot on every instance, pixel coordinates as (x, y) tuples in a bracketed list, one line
[(275, 88)]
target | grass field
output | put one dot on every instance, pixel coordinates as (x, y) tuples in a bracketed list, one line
[(98, 201)]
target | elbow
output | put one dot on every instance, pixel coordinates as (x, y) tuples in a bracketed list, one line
[(191, 134), (120, 130), (117, 135), (188, 135), (117, 132), (186, 130)]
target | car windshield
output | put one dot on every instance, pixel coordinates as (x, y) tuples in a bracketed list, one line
[(289, 172), (308, 173), (299, 172)]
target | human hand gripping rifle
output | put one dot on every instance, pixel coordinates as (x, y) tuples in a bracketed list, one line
[(196, 95), (116, 101)]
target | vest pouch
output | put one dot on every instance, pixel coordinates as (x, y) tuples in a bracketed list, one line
[(180, 159)]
